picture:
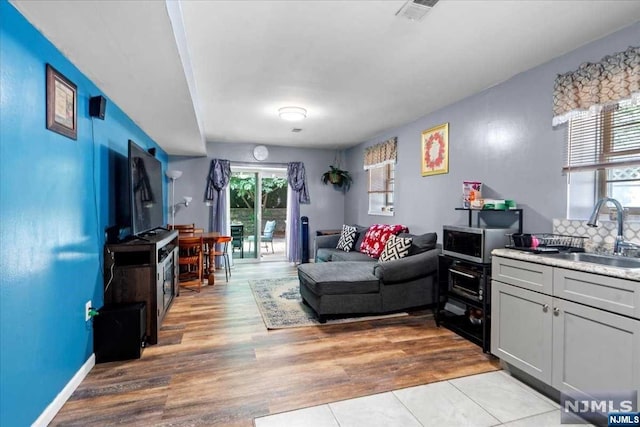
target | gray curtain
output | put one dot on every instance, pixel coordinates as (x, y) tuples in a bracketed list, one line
[(214, 196), (297, 179)]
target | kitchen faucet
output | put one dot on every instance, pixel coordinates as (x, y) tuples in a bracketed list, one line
[(620, 245)]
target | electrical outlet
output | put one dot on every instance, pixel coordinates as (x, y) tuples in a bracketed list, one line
[(87, 311)]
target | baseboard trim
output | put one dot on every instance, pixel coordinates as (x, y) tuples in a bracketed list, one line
[(50, 412)]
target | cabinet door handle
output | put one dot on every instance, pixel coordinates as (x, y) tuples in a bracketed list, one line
[(545, 307), (556, 311)]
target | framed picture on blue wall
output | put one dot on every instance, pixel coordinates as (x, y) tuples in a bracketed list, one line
[(62, 104)]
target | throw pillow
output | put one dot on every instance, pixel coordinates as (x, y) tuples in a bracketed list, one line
[(377, 236), (421, 243), (395, 248), (361, 230), (347, 238)]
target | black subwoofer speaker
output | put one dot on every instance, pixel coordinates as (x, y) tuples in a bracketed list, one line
[(97, 106), (119, 332)]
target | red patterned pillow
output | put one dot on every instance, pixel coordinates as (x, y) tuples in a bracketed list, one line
[(377, 236)]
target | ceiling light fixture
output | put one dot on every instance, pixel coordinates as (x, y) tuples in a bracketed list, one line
[(292, 114)]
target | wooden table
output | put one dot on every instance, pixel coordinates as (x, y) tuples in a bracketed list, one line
[(209, 238)]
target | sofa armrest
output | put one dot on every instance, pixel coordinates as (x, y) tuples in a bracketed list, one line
[(328, 241), (408, 268)]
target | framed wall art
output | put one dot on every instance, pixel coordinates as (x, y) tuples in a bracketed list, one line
[(62, 104), (435, 150)]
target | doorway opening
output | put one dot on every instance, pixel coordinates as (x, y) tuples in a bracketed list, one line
[(258, 224)]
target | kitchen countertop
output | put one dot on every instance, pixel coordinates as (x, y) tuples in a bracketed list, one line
[(623, 273)]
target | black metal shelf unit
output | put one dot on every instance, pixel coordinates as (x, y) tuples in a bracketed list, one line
[(517, 212), (452, 274), (462, 324)]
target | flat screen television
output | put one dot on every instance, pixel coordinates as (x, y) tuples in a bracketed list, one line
[(145, 190)]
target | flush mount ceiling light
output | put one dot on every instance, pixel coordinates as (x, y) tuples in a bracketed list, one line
[(292, 114)]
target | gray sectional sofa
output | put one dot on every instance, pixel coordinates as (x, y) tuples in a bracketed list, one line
[(345, 283)]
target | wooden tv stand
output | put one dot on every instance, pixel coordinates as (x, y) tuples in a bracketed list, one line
[(144, 270)]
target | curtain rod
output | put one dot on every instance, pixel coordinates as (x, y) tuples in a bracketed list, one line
[(257, 165)]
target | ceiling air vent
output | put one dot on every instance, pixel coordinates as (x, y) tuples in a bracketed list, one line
[(296, 130), (416, 9)]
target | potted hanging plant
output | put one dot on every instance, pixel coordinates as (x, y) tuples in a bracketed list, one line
[(340, 179)]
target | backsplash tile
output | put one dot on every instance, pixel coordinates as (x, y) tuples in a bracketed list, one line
[(601, 238)]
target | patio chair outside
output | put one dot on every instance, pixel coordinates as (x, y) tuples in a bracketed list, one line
[(267, 235)]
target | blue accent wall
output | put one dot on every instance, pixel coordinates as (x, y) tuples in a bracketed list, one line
[(56, 199)]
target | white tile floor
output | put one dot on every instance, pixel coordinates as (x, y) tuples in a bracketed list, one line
[(491, 399)]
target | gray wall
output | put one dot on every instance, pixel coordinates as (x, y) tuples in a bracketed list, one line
[(502, 137), (327, 205)]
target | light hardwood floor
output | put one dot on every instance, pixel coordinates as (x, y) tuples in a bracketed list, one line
[(216, 364)]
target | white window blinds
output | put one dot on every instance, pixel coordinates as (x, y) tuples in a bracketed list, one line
[(610, 139)]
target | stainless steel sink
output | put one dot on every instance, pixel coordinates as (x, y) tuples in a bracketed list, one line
[(611, 261)]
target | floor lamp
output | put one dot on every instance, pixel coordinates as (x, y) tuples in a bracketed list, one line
[(173, 175)]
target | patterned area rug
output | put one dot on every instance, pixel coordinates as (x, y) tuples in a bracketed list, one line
[(281, 306)]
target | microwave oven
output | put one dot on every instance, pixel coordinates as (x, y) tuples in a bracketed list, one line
[(473, 243)]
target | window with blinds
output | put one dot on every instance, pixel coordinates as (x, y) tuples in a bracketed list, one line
[(608, 144), (381, 186)]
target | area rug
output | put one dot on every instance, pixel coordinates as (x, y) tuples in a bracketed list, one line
[(281, 306)]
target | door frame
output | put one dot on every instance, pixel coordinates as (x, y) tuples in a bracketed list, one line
[(259, 170)]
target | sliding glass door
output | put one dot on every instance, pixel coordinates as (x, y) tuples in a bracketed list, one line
[(258, 224)]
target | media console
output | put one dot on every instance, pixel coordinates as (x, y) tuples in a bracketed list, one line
[(143, 270)]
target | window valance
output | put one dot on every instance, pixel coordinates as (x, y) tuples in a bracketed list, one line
[(593, 86), (380, 154)]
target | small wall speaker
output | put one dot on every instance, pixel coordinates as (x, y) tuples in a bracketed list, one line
[(152, 151), (97, 106)]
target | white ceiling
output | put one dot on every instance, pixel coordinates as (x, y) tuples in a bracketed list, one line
[(221, 71)]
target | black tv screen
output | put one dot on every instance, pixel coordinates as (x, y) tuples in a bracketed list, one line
[(145, 186)]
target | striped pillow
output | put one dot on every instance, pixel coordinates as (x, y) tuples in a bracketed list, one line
[(395, 248)]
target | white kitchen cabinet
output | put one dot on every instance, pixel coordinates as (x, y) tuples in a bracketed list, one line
[(594, 350), (608, 293), (570, 345), (527, 275), (521, 325)]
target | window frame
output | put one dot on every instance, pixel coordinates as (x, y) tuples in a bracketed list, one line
[(388, 191), (596, 135), (602, 181)]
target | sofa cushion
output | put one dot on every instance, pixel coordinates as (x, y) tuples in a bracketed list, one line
[(325, 254), (347, 238), (333, 254), (421, 243), (376, 237), (339, 278), (339, 255), (395, 248), (362, 230)]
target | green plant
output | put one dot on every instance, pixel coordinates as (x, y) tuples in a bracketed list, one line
[(274, 191), (340, 179)]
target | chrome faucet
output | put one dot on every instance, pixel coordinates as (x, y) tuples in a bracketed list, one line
[(620, 244)]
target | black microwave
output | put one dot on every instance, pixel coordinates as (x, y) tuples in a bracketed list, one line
[(473, 243)]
